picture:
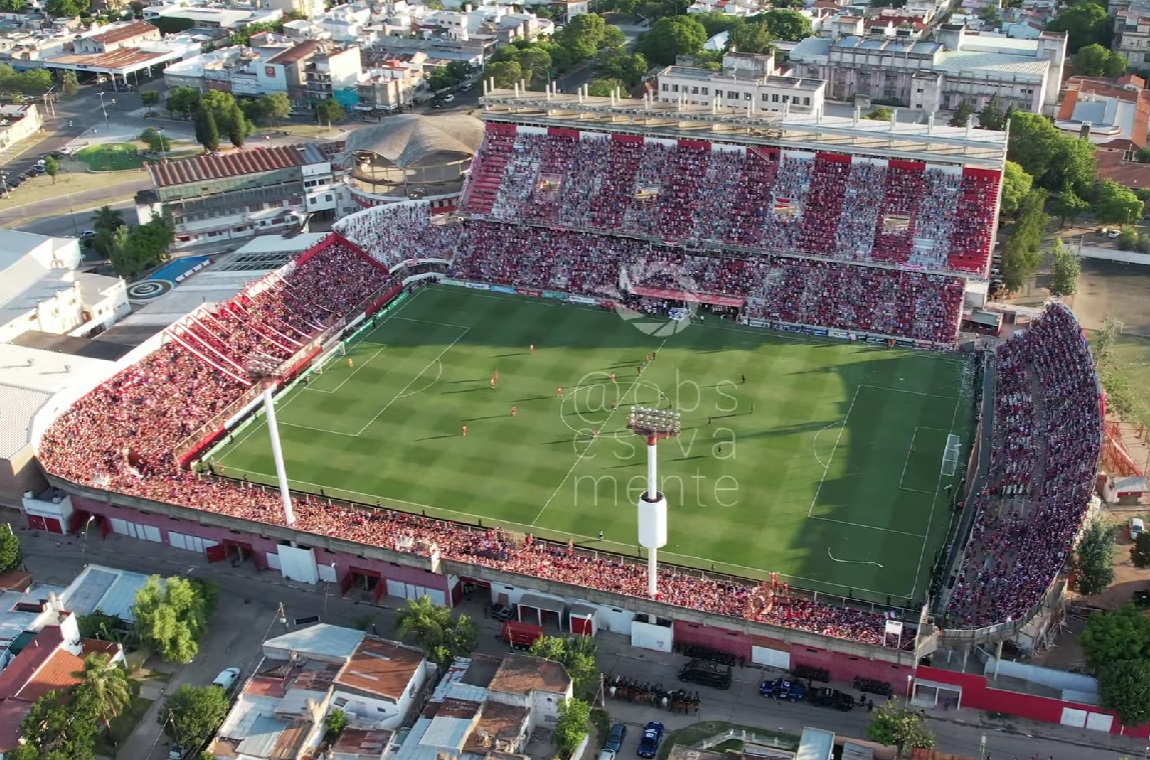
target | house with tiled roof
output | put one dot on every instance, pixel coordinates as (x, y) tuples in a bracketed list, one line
[(48, 662), (1114, 114)]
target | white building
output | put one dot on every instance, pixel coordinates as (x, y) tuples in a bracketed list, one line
[(934, 75), (745, 80), (42, 289), (18, 122)]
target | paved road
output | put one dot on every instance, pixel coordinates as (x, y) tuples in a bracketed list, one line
[(80, 219), (248, 614)]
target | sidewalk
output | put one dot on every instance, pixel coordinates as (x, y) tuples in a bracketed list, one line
[(248, 615)]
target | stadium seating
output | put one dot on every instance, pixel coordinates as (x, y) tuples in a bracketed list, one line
[(790, 202), (395, 232), (1047, 442)]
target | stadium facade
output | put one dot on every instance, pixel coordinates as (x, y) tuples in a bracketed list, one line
[(780, 199)]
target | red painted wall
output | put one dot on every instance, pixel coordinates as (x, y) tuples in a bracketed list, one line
[(844, 667), (731, 642), (978, 695)]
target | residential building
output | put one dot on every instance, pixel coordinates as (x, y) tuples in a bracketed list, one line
[(18, 122), (745, 81), (1132, 31), (940, 73), (1112, 114), (391, 82), (233, 196), (43, 289), (128, 35), (47, 663)]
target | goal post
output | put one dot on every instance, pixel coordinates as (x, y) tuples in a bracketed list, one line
[(950, 455)]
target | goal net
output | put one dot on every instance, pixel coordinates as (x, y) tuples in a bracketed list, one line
[(950, 455), (335, 352)]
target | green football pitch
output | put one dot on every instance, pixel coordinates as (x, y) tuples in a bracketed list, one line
[(820, 460)]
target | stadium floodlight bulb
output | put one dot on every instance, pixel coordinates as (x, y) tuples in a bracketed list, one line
[(654, 423)]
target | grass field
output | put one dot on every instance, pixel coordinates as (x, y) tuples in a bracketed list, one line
[(823, 465), (110, 157)]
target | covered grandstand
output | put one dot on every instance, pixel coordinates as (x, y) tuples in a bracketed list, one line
[(855, 230)]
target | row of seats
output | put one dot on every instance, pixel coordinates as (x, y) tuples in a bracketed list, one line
[(849, 208), (1048, 413)]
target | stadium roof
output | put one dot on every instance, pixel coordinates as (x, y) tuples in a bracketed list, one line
[(214, 167), (30, 377), (414, 140)]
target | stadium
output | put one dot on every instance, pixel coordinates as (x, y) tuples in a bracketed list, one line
[(856, 483)]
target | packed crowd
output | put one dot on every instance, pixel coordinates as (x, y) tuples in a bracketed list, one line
[(395, 232), (856, 209), (900, 303), (121, 437), (1048, 396)]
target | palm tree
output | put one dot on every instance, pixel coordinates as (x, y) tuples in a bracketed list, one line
[(106, 684), (107, 218)]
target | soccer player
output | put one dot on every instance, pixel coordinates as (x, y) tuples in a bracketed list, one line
[(514, 411), (612, 377), (594, 432), (493, 382), (350, 363), (464, 431), (495, 375), (744, 379), (559, 391), (532, 348)]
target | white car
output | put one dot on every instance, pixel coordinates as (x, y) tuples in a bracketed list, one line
[(86, 234), (1136, 528), (1113, 234), (448, 98), (227, 679)]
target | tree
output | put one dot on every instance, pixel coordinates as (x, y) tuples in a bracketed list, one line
[(65, 8), (1092, 558), (574, 715), (99, 625), (504, 73), (992, 116), (106, 685), (1016, 184), (784, 24), (334, 724), (182, 101), (1140, 551), (207, 131), (1117, 204), (1094, 60), (234, 124), (602, 88), (1127, 240), (1064, 270), (671, 37), (69, 85), (172, 614), (1073, 167), (276, 105), (154, 139), (962, 114), (891, 724), (1031, 144), (58, 728), (51, 167), (150, 98), (716, 22), (10, 554), (628, 68), (191, 714), (1021, 254), (1123, 634), (1068, 206), (880, 114), (583, 35), (751, 38), (107, 218), (329, 111), (577, 655), (1085, 23), (12, 6), (1124, 687), (989, 16), (438, 634)]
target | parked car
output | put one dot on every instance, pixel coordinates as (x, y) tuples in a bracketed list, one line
[(176, 752), (824, 697), (448, 98), (607, 754), (615, 737), (1136, 528), (1142, 598), (649, 744), (706, 673), (1113, 234), (88, 234), (784, 688), (227, 679)]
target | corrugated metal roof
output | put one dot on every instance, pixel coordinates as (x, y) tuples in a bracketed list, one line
[(321, 640), (126, 32), (203, 168), (262, 737), (447, 733), (964, 62), (109, 590)]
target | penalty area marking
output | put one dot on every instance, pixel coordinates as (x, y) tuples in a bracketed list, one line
[(851, 561)]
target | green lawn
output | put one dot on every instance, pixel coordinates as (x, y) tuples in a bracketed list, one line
[(111, 157), (121, 727), (824, 465)]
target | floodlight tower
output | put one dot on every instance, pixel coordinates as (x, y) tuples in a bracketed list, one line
[(265, 370), (654, 425)]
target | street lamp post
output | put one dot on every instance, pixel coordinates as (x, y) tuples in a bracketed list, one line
[(163, 144), (4, 180), (653, 425), (982, 747), (104, 107)]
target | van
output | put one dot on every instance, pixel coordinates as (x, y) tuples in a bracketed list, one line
[(706, 673), (1136, 528)]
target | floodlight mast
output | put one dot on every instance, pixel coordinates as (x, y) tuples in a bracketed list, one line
[(653, 425), (265, 370)]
